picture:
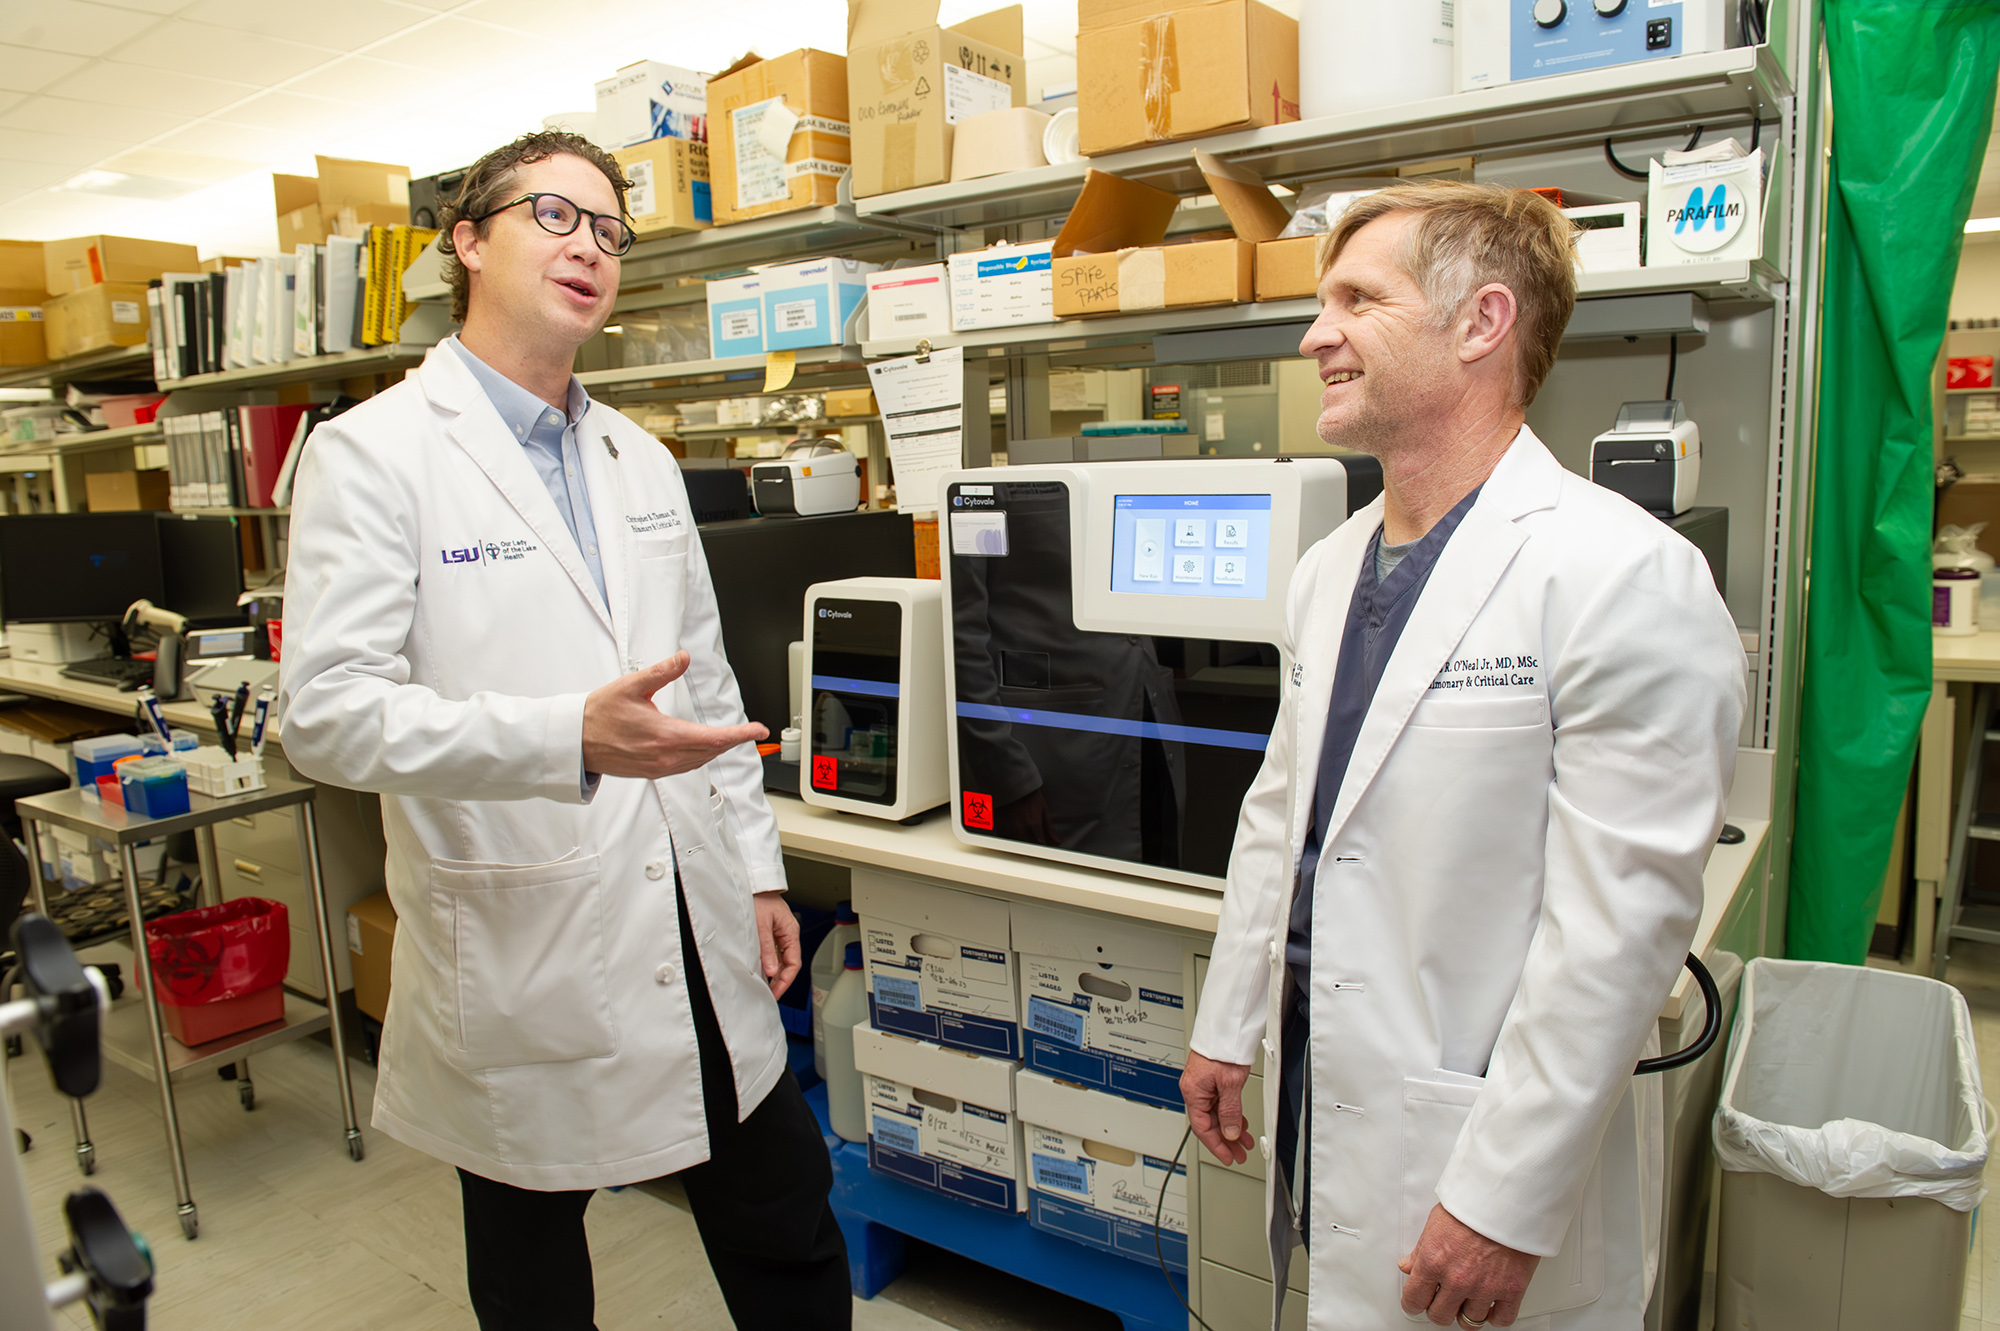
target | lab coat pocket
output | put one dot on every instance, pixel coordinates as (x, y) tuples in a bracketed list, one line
[(1434, 1114), (530, 977), (1456, 711), (659, 597)]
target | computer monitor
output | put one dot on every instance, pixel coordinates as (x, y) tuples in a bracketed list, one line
[(77, 567), (202, 566)]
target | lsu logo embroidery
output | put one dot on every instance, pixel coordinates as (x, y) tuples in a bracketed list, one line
[(469, 555)]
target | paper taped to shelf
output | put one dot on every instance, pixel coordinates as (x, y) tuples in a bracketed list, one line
[(923, 413)]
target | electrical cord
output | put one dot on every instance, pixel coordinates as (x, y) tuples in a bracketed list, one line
[(1628, 172), (1673, 362), (1750, 19), (1159, 1210)]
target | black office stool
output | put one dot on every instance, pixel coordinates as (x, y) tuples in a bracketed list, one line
[(20, 777)]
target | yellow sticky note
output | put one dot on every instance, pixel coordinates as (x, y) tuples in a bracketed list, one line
[(778, 367)]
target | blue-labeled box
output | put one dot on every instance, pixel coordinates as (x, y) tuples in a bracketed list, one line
[(154, 787), (1097, 1165), (939, 964), (807, 304), (94, 757), (941, 1118), (1102, 1002), (736, 316)]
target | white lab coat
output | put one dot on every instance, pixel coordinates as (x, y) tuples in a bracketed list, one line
[(1502, 904), (441, 633)]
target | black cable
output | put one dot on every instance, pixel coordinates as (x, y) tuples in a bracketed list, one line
[(1159, 1210), (1711, 1025), (1673, 362), (1628, 172)]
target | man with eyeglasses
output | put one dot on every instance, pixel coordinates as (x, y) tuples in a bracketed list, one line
[(500, 618)]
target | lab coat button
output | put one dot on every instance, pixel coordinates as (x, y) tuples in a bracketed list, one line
[(665, 974), (1264, 1147), (656, 870), (1274, 954)]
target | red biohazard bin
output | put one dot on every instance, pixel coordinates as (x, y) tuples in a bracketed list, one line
[(220, 969)]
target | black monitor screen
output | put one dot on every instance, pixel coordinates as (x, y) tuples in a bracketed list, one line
[(77, 566), (203, 567)]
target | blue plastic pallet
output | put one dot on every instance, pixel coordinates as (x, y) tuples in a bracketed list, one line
[(877, 1213)]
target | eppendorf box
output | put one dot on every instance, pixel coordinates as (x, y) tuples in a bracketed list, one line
[(939, 964), (1104, 1006), (1097, 1165), (942, 1119)]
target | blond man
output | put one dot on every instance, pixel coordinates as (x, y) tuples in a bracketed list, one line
[(1465, 879)]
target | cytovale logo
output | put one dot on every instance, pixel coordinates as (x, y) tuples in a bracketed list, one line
[(489, 552)]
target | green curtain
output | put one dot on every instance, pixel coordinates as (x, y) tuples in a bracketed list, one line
[(1912, 84)]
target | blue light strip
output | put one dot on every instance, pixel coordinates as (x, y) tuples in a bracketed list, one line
[(874, 688), (1224, 739)]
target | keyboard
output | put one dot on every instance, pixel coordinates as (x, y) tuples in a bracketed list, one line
[(117, 671)]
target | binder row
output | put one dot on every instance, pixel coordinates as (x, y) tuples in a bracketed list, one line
[(322, 300), (229, 459)]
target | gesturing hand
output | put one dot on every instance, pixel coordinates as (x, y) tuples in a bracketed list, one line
[(777, 940), (1457, 1272), (624, 734), (1213, 1093)]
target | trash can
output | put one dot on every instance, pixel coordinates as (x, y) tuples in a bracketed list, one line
[(220, 969), (1852, 1136)]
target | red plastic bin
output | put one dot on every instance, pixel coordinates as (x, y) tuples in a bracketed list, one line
[(219, 969)]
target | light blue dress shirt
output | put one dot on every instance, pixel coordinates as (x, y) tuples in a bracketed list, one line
[(548, 437)]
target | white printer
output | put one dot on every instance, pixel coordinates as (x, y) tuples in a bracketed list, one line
[(1651, 455), (814, 476)]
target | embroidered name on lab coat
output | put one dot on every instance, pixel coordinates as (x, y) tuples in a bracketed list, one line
[(1488, 672), (646, 524)]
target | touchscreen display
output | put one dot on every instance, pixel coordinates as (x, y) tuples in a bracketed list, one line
[(1191, 545)]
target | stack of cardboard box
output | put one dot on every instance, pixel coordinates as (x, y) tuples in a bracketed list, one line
[(97, 290), (777, 133), (344, 199), (21, 296), (911, 83)]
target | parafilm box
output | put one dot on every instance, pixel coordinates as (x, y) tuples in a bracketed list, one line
[(1102, 1003), (939, 964), (941, 1118), (1698, 212)]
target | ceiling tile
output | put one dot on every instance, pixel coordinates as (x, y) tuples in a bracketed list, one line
[(64, 115), (624, 17), (291, 114), (25, 70), (31, 175), (203, 49), (169, 165), (342, 25), (163, 8), (68, 150), (148, 88), (212, 138), (454, 43), (70, 26), (369, 82)]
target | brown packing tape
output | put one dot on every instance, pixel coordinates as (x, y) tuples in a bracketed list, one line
[(1142, 280), (1161, 76), (899, 156)]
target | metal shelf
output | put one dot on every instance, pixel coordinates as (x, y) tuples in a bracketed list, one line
[(772, 427), (236, 512), (112, 362), (309, 369), (71, 444), (834, 229), (745, 373), (1550, 113)]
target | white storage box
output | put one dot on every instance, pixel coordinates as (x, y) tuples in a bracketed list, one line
[(1609, 242), (1096, 1166), (909, 302), (1005, 285), (807, 304), (647, 100), (942, 1119), (1701, 212), (1103, 1002), (939, 964), (213, 772), (736, 316)]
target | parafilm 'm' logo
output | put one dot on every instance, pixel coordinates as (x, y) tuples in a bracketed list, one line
[(1705, 220)]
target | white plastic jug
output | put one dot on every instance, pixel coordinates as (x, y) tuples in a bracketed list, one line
[(846, 1007), (1358, 54), (826, 964)]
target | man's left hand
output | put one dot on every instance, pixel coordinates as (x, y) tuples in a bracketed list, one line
[(1455, 1269), (778, 939)]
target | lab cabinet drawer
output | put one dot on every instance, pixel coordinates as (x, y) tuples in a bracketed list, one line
[(1232, 1225), (1232, 1301), (270, 838), (247, 878)]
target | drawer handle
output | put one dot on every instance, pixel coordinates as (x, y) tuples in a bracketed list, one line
[(245, 821), (245, 867)]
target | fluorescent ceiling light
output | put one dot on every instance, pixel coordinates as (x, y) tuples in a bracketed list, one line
[(1978, 224)]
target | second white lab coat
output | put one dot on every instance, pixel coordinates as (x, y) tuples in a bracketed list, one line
[(441, 633), (1509, 882)]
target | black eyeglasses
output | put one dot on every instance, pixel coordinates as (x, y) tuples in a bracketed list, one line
[(558, 216)]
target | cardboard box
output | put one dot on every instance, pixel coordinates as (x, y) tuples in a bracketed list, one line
[(736, 317), (111, 314), (939, 964), (1002, 286), (344, 199), (23, 267), (647, 100), (1103, 1002), (21, 336), (998, 142), (1112, 213), (1209, 272), (125, 491), (850, 402), (1969, 372), (910, 82), (86, 261), (909, 302), (371, 937), (942, 1119), (776, 134), (1150, 70), (1096, 1166), (1287, 269), (808, 304), (669, 193)]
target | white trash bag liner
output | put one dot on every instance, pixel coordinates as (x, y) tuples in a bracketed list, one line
[(1857, 1082)]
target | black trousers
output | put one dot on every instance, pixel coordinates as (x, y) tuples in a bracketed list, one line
[(759, 1202)]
